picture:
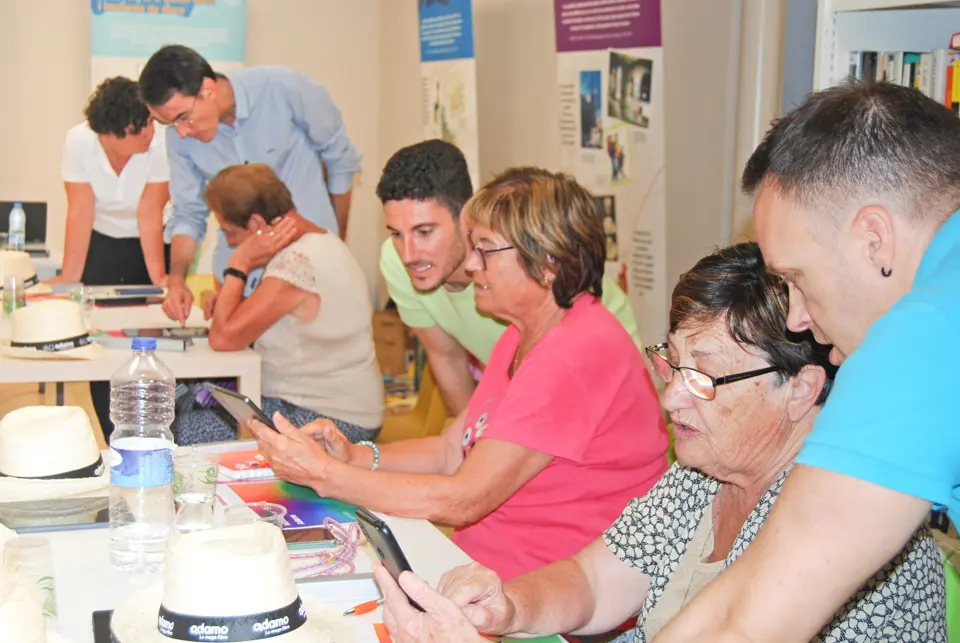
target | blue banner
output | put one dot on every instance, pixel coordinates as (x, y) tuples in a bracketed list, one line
[(446, 30), (217, 29)]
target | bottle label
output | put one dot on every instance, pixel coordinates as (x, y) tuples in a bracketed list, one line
[(141, 462)]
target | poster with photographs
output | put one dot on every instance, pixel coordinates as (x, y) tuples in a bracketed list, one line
[(448, 74), (615, 145)]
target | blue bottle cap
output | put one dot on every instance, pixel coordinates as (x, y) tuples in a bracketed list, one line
[(144, 344), (18, 205)]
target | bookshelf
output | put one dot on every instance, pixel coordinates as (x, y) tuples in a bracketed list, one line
[(844, 26)]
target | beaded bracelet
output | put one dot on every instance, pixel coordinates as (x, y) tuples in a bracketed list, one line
[(338, 560), (376, 453)]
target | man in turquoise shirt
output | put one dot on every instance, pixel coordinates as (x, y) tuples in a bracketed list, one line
[(857, 198), (271, 115)]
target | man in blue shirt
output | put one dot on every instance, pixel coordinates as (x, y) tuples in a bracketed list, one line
[(271, 115), (857, 197)]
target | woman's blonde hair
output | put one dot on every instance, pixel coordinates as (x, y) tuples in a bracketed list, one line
[(552, 222), (240, 191)]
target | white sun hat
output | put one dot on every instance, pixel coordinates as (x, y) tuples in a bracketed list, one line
[(49, 452), (15, 263), (228, 584), (21, 605), (52, 329)]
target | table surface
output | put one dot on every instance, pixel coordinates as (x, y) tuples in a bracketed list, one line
[(198, 361), (85, 581)]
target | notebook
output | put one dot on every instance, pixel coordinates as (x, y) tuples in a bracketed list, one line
[(119, 340), (244, 465)]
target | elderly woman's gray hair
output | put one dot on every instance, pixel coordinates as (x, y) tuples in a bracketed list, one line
[(733, 285)]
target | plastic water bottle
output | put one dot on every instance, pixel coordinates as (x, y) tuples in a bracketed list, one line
[(142, 400), (17, 238)]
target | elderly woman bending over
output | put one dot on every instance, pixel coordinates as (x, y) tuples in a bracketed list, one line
[(564, 427), (742, 395)]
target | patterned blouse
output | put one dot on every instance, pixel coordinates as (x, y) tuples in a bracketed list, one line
[(903, 602)]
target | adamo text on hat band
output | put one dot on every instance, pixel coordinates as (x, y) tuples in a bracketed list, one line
[(29, 282), (59, 345), (90, 471), (252, 627)]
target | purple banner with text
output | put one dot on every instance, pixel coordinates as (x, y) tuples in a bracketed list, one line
[(590, 25)]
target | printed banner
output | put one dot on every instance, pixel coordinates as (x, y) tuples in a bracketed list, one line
[(610, 72), (448, 72), (124, 33)]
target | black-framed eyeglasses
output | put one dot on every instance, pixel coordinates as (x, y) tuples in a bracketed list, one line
[(483, 252), (697, 382)]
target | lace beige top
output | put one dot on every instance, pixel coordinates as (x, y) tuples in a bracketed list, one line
[(326, 364), (692, 575)]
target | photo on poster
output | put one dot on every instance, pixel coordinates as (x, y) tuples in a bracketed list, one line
[(629, 90), (607, 210), (591, 114), (617, 144)]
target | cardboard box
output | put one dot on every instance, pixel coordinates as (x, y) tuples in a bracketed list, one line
[(391, 339)]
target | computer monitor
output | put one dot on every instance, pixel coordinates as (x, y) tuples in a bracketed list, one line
[(36, 220)]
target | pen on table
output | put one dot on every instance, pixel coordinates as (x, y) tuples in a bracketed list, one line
[(363, 608)]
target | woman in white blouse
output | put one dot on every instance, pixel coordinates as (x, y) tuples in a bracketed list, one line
[(117, 181), (116, 176)]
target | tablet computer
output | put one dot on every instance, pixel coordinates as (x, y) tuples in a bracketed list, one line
[(237, 405)]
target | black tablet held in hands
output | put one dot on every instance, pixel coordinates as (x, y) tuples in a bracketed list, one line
[(239, 406), (383, 541)]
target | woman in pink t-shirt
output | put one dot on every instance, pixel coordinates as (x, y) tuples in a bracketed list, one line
[(564, 427)]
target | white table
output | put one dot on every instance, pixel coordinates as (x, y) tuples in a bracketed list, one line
[(85, 581), (197, 362)]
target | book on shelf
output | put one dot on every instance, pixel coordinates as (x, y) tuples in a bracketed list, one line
[(935, 73)]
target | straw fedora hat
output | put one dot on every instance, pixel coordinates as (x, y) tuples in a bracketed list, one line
[(15, 263), (52, 329), (49, 452), (21, 605), (228, 584)]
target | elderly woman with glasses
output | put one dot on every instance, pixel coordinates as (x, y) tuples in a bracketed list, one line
[(564, 427), (742, 393)]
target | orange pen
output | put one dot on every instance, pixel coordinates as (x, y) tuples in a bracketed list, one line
[(363, 608)]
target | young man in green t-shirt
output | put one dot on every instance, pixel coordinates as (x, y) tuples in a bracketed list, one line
[(423, 189)]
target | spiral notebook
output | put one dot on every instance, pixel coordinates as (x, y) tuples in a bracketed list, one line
[(248, 464)]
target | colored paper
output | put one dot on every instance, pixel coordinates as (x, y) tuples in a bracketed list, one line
[(304, 507)]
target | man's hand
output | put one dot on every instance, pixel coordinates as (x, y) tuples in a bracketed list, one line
[(326, 433), (479, 593), (293, 456), (178, 301), (210, 304), (441, 622)]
